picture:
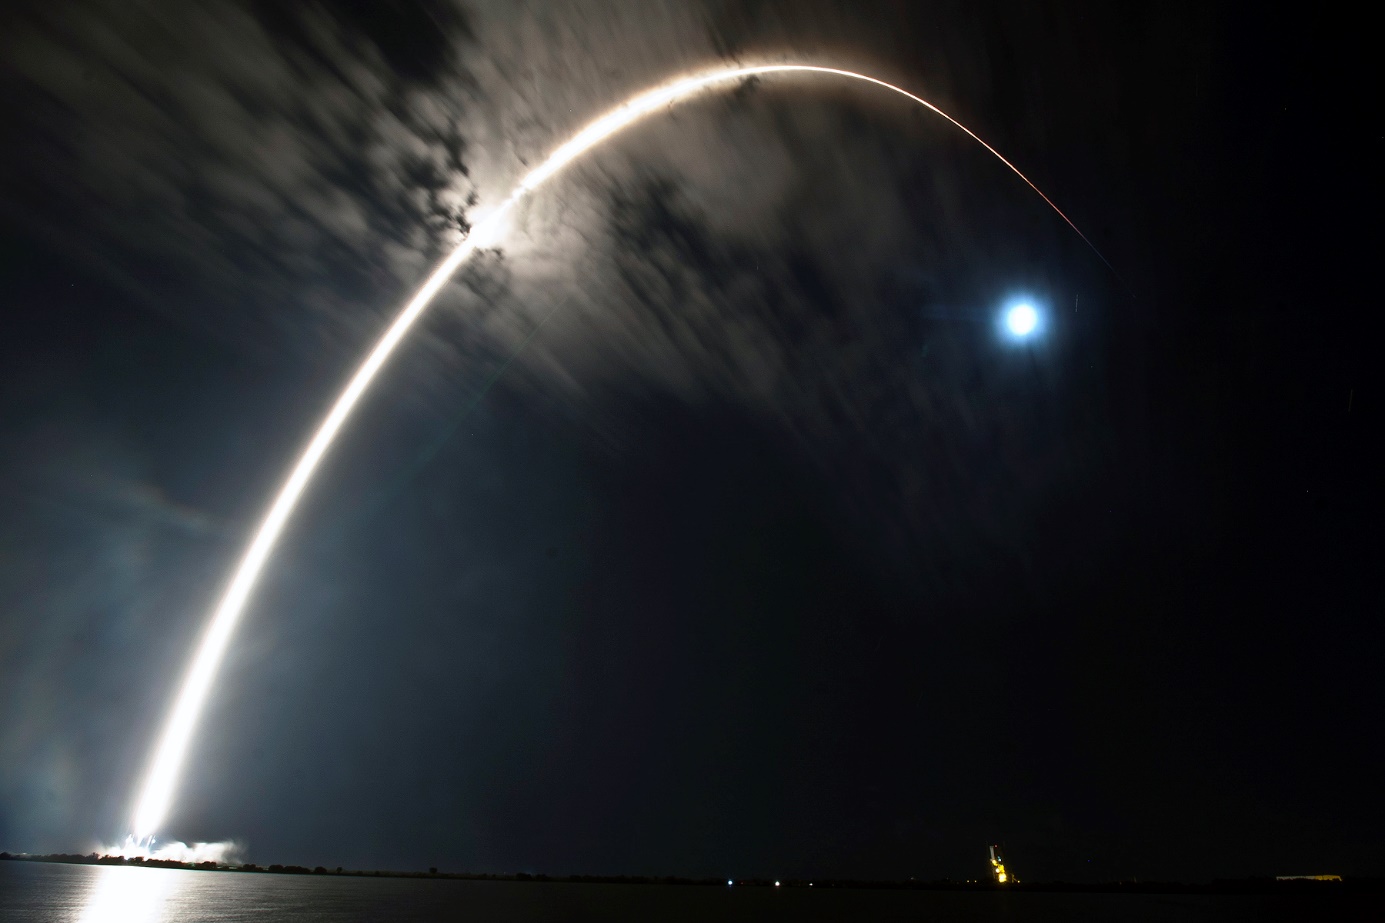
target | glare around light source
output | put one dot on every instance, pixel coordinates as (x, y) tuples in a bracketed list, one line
[(1022, 319)]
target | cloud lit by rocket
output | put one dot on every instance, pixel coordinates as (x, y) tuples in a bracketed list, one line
[(160, 783)]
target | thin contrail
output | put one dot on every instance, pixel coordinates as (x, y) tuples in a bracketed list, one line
[(157, 792)]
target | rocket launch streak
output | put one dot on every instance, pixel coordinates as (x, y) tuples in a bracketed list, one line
[(157, 792)]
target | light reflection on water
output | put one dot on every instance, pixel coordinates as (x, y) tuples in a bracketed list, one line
[(40, 892), (130, 895)]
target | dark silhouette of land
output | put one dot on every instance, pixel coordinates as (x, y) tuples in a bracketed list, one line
[(1255, 885)]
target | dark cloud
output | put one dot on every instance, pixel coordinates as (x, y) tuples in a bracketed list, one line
[(419, 40), (278, 168)]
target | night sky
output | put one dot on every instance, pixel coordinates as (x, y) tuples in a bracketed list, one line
[(765, 555)]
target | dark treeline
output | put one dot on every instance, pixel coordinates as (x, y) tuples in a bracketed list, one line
[(1262, 885)]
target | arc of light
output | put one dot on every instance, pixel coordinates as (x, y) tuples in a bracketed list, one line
[(157, 792)]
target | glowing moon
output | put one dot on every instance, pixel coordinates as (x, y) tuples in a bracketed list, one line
[(1022, 319)]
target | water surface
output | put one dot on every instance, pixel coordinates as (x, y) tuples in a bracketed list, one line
[(35, 892)]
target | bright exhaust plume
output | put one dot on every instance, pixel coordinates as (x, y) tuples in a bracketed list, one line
[(156, 794), (226, 852)]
